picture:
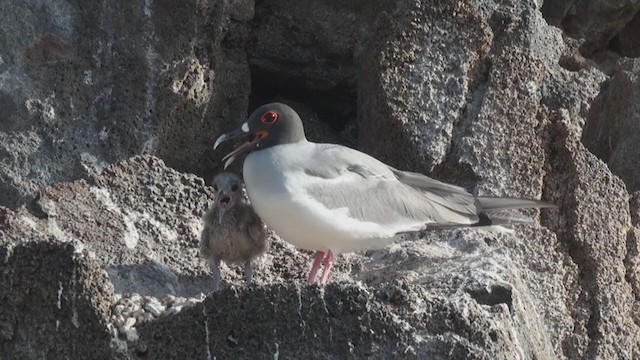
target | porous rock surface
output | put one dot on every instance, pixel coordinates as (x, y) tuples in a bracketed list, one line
[(485, 94), (84, 84), (612, 131), (601, 24), (147, 253), (55, 299)]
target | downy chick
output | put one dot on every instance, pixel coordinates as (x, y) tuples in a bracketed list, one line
[(232, 232)]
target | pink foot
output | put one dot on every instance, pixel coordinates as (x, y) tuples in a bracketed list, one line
[(328, 263), (314, 269)]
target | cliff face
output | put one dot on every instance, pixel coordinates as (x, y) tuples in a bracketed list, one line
[(98, 247), (85, 84)]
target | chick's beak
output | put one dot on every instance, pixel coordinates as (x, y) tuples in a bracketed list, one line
[(224, 201), (245, 147)]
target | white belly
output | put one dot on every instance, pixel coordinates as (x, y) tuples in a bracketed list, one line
[(281, 202)]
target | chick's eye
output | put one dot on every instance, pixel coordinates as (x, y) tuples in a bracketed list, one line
[(269, 118), (234, 187)]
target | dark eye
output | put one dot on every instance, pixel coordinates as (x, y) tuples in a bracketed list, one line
[(269, 118), (234, 187), (215, 187)]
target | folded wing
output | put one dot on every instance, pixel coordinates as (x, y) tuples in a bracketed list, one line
[(371, 191)]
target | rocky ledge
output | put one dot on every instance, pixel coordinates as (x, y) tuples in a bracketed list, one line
[(100, 209), (107, 268)]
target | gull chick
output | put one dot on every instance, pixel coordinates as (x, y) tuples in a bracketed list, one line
[(232, 232)]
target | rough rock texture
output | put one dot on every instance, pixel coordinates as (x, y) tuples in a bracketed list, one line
[(310, 52), (140, 218), (291, 48), (411, 89), (597, 21), (517, 110), (147, 220), (84, 84), (395, 320), (143, 222), (634, 206), (482, 93), (627, 42), (595, 234), (612, 131), (55, 297)]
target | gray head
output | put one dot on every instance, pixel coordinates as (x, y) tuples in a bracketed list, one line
[(269, 125), (229, 190)]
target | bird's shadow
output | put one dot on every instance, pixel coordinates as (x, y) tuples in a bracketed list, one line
[(152, 278)]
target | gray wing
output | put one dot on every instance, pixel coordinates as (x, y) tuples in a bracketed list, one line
[(375, 192), (457, 194)]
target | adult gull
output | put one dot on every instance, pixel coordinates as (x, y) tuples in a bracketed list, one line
[(332, 199)]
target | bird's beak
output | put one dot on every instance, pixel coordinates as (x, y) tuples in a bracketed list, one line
[(224, 201), (245, 147)]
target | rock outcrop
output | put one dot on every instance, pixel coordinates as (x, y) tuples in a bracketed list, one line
[(99, 249), (56, 299), (612, 130), (602, 25), (86, 84)]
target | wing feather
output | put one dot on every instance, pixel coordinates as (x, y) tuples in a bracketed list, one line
[(405, 201), (375, 192)]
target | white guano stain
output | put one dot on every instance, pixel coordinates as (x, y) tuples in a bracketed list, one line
[(130, 236), (206, 329)]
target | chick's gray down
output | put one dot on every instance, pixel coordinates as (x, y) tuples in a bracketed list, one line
[(232, 231)]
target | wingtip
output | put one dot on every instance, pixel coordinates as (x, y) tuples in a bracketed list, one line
[(503, 203), (546, 205)]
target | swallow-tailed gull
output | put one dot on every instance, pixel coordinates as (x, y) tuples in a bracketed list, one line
[(333, 199), (232, 232)]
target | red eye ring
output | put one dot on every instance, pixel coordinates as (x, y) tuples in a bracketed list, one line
[(269, 118)]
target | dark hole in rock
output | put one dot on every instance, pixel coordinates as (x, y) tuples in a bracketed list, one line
[(36, 209), (493, 335), (611, 128), (496, 294), (627, 41), (335, 106)]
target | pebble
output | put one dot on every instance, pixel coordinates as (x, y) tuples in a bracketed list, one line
[(138, 313), (132, 335), (129, 323), (180, 304), (169, 300), (134, 309), (136, 298), (147, 317), (119, 320), (192, 302), (174, 310), (154, 308)]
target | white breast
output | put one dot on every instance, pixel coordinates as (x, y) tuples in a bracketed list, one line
[(275, 184)]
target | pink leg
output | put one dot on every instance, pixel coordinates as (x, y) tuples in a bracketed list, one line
[(314, 269), (328, 263)]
